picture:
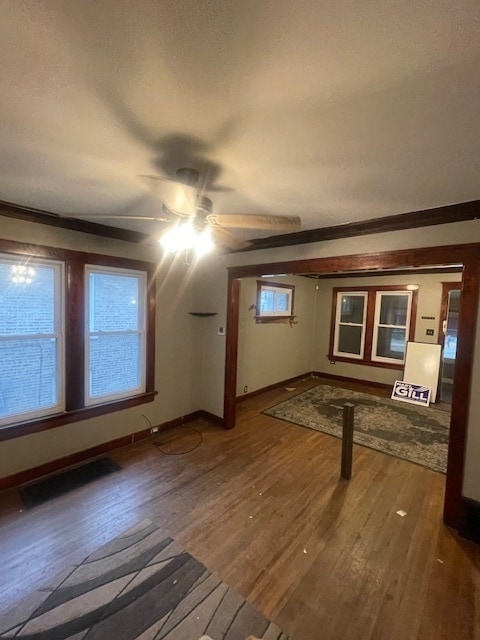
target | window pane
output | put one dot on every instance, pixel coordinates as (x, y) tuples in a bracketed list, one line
[(115, 364), (26, 299), (28, 375), (352, 309), (391, 343), (267, 300), (393, 310), (114, 302), (349, 339), (281, 301)]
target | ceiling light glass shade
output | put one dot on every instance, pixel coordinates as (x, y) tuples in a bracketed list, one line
[(184, 237), (204, 243)]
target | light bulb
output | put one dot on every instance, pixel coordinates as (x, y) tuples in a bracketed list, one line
[(204, 243), (184, 237)]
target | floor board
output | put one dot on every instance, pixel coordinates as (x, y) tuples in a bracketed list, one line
[(263, 506)]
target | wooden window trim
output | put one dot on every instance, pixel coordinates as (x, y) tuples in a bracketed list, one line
[(276, 318), (360, 356), (370, 324), (75, 409)]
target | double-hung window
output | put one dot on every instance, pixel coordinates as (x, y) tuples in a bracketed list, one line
[(372, 325), (77, 336), (116, 336), (351, 316), (392, 318), (32, 338)]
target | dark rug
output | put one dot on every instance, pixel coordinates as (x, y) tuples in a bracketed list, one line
[(417, 434), (140, 586), (60, 483)]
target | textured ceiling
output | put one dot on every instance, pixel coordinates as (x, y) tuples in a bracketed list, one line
[(334, 111)]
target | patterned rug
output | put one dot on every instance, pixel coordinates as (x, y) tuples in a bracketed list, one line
[(418, 434), (139, 586)]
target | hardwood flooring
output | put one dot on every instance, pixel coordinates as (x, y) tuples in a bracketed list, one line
[(263, 507)]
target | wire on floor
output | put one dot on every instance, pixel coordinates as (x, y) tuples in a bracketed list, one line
[(159, 445), (180, 453)]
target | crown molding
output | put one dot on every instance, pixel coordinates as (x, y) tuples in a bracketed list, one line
[(39, 216), (412, 220)]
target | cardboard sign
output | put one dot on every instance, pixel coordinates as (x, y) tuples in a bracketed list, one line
[(413, 393)]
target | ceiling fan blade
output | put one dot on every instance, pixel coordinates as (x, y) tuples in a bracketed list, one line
[(227, 239), (218, 189), (107, 216), (177, 197), (255, 221)]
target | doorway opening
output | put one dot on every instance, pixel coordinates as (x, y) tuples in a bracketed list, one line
[(448, 332), (466, 256)]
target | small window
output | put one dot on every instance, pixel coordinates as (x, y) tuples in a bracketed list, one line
[(274, 300), (31, 338), (115, 338), (350, 324)]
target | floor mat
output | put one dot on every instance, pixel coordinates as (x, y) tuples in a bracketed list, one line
[(139, 586)]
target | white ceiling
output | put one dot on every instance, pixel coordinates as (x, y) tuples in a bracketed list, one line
[(335, 111)]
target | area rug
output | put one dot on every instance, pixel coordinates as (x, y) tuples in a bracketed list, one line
[(418, 434), (139, 586), (60, 483)]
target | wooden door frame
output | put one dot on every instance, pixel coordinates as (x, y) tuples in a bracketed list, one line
[(467, 254)]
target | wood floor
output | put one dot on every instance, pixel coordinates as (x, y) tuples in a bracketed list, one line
[(263, 507)]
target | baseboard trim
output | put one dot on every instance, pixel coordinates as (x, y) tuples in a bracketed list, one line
[(212, 418), (257, 392), (331, 376), (24, 477), (469, 525)]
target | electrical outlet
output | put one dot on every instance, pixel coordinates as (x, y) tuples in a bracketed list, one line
[(332, 361), (154, 430), (430, 332), (245, 389)]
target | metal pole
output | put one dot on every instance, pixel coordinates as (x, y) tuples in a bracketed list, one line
[(347, 440)]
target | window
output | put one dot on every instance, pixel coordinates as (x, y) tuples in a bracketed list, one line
[(115, 337), (77, 336), (31, 338), (372, 325), (274, 300), (392, 315), (350, 334)]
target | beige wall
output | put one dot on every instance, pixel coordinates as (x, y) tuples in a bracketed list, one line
[(429, 301), (190, 356), (213, 281), (177, 361), (271, 352)]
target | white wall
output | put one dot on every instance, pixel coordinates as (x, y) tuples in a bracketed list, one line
[(177, 360), (269, 352), (213, 281)]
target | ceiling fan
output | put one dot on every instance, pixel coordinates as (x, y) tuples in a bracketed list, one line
[(185, 206)]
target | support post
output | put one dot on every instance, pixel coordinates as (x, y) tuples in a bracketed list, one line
[(347, 440)]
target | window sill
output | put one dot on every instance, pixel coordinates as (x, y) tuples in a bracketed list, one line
[(368, 363), (278, 319), (16, 430)]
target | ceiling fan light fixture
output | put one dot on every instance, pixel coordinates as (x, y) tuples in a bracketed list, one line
[(204, 243), (184, 237)]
